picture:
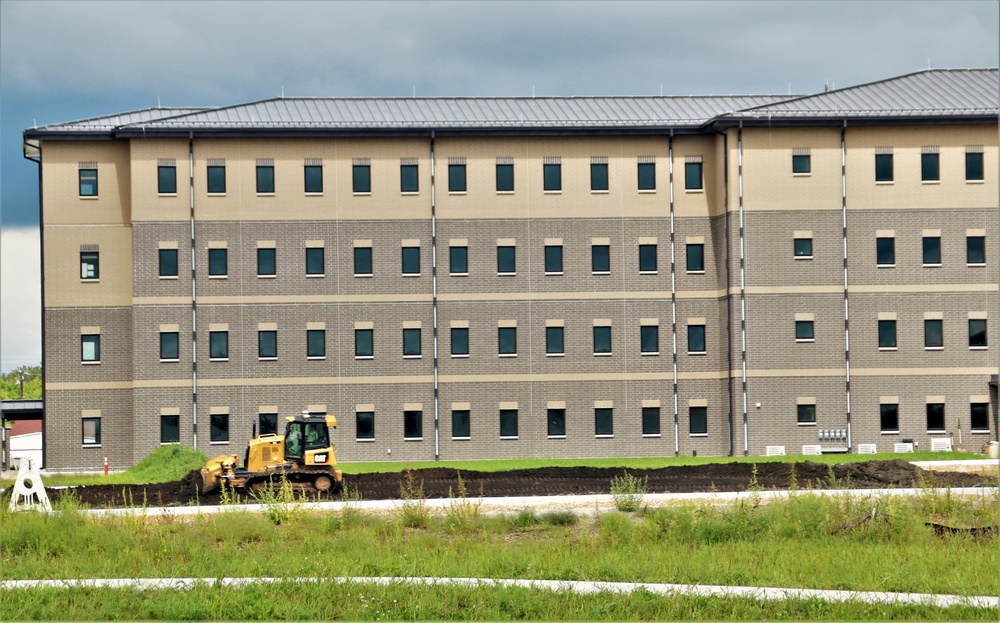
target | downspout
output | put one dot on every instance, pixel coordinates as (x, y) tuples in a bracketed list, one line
[(434, 308), (41, 265), (729, 280), (847, 315), (743, 295), (194, 301), (673, 293)]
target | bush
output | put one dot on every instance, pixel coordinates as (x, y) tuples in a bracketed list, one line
[(627, 491), (560, 518)]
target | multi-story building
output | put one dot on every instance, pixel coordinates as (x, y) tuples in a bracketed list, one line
[(471, 278)]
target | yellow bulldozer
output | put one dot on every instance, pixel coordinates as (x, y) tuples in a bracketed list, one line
[(303, 456)]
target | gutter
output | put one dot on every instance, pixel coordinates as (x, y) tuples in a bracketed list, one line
[(41, 262)]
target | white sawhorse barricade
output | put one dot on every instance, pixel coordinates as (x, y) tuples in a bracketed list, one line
[(29, 494)]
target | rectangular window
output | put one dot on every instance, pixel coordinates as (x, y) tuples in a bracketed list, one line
[(170, 429), (974, 166), (554, 341), (604, 422), (411, 260), (313, 178), (553, 259), (599, 176), (885, 251), (649, 339), (977, 333), (552, 177), (169, 342), (460, 427), (265, 179), (219, 427), (803, 247), (362, 178), (975, 250), (932, 250), (647, 258), (315, 261), (90, 347), (933, 333), (698, 420), (930, 169), (88, 182), (693, 176), (168, 262), (456, 178), (408, 179), (557, 422), (804, 330), (696, 258), (411, 342), (413, 424), (887, 334), (507, 340), (364, 343), (883, 167), (801, 164), (363, 261), (316, 343), (364, 425), (166, 180), (602, 340), (806, 414), (268, 423), (600, 258), (506, 260), (458, 260), (91, 431), (647, 176), (696, 338), (508, 422), (459, 341), (90, 265), (889, 418), (650, 420), (505, 178), (218, 262), (218, 344), (216, 179), (267, 344), (935, 416), (980, 414), (266, 262)]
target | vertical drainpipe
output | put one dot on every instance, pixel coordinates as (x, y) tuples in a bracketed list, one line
[(41, 264), (673, 292), (743, 295), (434, 308), (729, 280), (194, 301), (847, 316)]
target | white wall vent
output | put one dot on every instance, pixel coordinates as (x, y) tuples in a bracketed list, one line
[(903, 447), (775, 450), (812, 450), (941, 445), (866, 448)]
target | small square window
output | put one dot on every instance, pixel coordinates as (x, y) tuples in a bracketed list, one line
[(88, 182), (411, 260), (170, 429), (801, 164), (803, 247), (506, 257), (975, 250), (460, 424), (599, 177), (647, 176), (265, 179), (696, 338), (804, 330), (932, 250), (885, 251), (456, 178), (974, 167), (266, 262), (557, 422), (933, 333), (980, 415), (696, 258), (604, 422), (650, 420), (806, 414), (218, 262), (315, 261), (91, 431), (647, 258), (602, 340), (411, 342), (90, 265), (458, 260), (167, 262), (554, 341), (169, 346), (459, 341), (219, 423), (268, 423), (977, 333), (413, 424), (600, 258), (313, 178), (316, 343), (363, 261), (364, 343), (693, 176), (90, 347), (883, 167), (930, 170), (408, 179), (216, 179), (362, 178), (553, 258), (267, 344), (935, 416), (507, 340), (552, 177), (166, 180), (505, 178), (887, 334), (508, 422), (649, 339), (698, 420), (218, 344), (364, 425)]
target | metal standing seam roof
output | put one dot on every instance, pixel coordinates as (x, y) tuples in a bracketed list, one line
[(110, 122)]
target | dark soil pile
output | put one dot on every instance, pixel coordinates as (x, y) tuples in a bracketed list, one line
[(437, 482)]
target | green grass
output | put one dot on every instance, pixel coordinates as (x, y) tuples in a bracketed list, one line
[(164, 464)]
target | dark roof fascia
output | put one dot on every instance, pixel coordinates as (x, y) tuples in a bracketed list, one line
[(133, 132), (56, 135), (755, 121)]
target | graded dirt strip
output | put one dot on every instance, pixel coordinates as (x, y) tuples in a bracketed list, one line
[(583, 588)]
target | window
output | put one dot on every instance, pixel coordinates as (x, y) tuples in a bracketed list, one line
[(889, 418), (363, 343), (801, 164), (508, 423), (804, 331), (459, 341), (698, 420), (930, 169), (883, 167), (803, 247), (265, 178), (602, 340), (268, 423), (932, 250), (649, 339), (316, 343), (647, 176), (806, 414), (88, 182), (696, 258), (507, 340), (980, 414), (362, 178), (696, 338), (91, 431), (169, 341), (650, 420), (552, 177), (557, 422), (554, 341), (267, 344), (505, 178), (460, 428), (604, 422), (553, 259), (218, 344), (458, 260), (935, 416), (693, 176), (170, 429), (362, 261), (977, 333), (974, 166), (219, 423), (313, 178), (166, 180), (647, 258), (506, 260), (933, 333), (413, 424), (408, 179), (599, 176), (975, 250), (364, 425), (266, 262), (90, 266), (218, 262), (456, 178), (315, 261), (411, 260), (887, 334), (216, 179), (600, 258), (885, 251), (90, 348), (411, 342), (168, 262)]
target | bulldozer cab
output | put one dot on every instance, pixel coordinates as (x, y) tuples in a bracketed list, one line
[(303, 436)]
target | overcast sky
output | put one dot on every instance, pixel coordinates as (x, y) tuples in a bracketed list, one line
[(61, 61)]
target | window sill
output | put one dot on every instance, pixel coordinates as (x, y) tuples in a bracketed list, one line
[(218, 359), (90, 363), (694, 190), (267, 358), (556, 437), (458, 274), (459, 193), (555, 354), (319, 194), (270, 194), (91, 445), (405, 439), (602, 354), (601, 272), (218, 443), (410, 193), (649, 354), (461, 438), (976, 265), (888, 348), (169, 443), (553, 274), (515, 437), (267, 276), (166, 194), (362, 194), (933, 347), (363, 275), (216, 194), (465, 356), (697, 353), (651, 191), (930, 182), (323, 358), (167, 277), (364, 356), (979, 348), (809, 174), (365, 440), (604, 436), (884, 183), (90, 280), (889, 432), (807, 423), (169, 360), (507, 355), (599, 192), (932, 265), (937, 432), (696, 272), (885, 266), (698, 435), (405, 275), (649, 272), (506, 274), (505, 192), (803, 257), (980, 431), (218, 276), (315, 276), (651, 435), (85, 197), (805, 341), (412, 356), (552, 192)]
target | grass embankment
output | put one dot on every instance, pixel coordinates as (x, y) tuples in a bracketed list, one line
[(165, 464)]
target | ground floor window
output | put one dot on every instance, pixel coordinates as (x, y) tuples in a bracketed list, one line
[(170, 429), (460, 423), (557, 422), (91, 431), (650, 420), (219, 427), (413, 424), (889, 418), (980, 412)]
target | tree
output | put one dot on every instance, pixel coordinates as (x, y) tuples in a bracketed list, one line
[(21, 382)]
